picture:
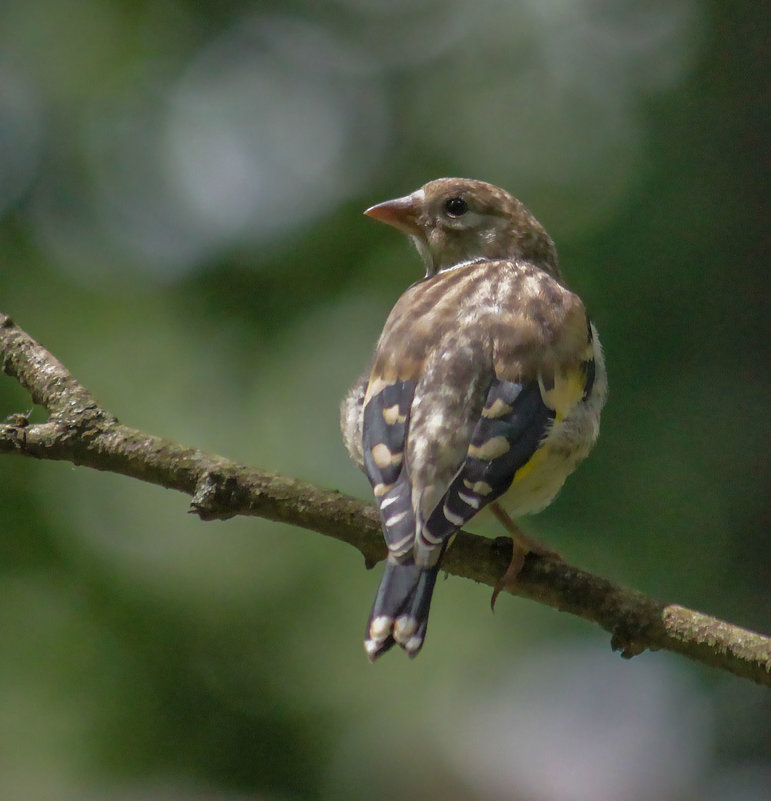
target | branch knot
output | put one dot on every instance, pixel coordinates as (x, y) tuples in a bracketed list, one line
[(215, 495)]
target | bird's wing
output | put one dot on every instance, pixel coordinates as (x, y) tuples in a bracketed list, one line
[(414, 330), (514, 421), (540, 345), (384, 433)]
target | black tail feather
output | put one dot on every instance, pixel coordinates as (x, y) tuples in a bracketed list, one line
[(400, 610)]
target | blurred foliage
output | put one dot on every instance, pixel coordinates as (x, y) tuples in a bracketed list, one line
[(180, 194)]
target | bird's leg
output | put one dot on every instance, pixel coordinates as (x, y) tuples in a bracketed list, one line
[(522, 545)]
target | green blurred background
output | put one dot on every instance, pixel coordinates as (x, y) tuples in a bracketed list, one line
[(181, 187)]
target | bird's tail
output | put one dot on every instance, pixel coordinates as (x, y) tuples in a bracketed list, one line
[(400, 611)]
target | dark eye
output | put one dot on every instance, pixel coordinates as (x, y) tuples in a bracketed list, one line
[(456, 207)]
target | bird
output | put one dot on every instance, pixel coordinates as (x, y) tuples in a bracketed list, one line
[(485, 390)]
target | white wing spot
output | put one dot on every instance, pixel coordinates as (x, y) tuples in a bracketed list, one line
[(469, 500), (487, 451), (480, 487), (456, 520), (430, 539), (401, 547), (391, 415), (394, 519), (383, 456)]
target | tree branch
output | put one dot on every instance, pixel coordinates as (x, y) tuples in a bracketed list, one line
[(78, 430)]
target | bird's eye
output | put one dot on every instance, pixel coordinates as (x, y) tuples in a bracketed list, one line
[(456, 207)]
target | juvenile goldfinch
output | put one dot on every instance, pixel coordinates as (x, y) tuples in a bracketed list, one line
[(486, 388)]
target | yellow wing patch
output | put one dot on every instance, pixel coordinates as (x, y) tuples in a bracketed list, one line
[(564, 391), (498, 409), (536, 461)]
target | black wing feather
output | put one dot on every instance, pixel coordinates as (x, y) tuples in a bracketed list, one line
[(386, 421), (523, 425)]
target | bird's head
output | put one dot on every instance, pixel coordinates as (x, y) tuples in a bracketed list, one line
[(458, 220)]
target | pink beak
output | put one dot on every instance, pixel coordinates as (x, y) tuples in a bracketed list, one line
[(402, 213)]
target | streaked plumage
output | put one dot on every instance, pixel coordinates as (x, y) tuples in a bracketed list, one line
[(487, 384)]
